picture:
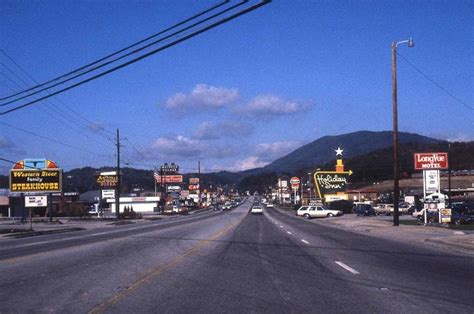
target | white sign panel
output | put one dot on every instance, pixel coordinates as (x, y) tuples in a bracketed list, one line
[(36, 201), (431, 181), (108, 194)]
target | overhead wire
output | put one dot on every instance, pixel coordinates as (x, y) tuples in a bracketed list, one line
[(436, 83), (173, 43), (86, 125), (120, 50), (53, 110), (127, 54)]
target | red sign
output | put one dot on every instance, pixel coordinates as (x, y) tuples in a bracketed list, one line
[(169, 179), (295, 180), (425, 161), (193, 187)]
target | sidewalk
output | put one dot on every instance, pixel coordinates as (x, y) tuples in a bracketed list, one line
[(382, 227)]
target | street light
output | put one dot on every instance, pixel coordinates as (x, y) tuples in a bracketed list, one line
[(396, 170)]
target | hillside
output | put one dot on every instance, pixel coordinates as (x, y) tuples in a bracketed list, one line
[(354, 144)]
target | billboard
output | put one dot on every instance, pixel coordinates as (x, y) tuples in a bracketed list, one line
[(107, 180), (426, 161), (47, 180), (193, 181), (169, 178), (331, 182)]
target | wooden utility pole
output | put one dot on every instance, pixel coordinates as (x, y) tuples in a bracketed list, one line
[(118, 186)]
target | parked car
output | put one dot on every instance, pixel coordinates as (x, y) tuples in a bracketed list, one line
[(384, 209), (257, 209), (309, 212), (364, 210)]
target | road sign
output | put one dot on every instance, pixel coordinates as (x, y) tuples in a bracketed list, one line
[(424, 161), (36, 201), (295, 180), (106, 194)]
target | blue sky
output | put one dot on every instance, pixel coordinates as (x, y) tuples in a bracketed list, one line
[(240, 95)]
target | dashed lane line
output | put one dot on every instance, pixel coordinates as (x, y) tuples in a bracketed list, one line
[(348, 268), (304, 241)]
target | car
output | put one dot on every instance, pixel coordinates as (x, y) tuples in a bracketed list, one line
[(257, 209), (364, 210), (227, 206), (384, 209), (270, 205), (309, 212)]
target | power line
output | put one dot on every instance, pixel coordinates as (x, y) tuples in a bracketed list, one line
[(125, 55), (119, 51), (47, 138), (435, 83), (86, 126), (193, 34), (50, 106)]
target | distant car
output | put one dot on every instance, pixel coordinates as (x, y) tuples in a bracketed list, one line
[(270, 205), (309, 212), (364, 210), (384, 209), (257, 209)]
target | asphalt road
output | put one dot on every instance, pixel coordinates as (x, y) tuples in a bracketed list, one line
[(217, 262)]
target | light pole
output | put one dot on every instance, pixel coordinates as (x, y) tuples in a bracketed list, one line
[(396, 166), (309, 186)]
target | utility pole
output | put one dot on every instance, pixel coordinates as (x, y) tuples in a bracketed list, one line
[(449, 175), (118, 186), (200, 183), (396, 162)]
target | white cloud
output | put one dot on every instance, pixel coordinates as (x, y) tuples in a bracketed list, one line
[(202, 97), (266, 106), (460, 138), (272, 151), (212, 131), (249, 163), (185, 148)]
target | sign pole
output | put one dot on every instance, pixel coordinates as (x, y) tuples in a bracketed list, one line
[(50, 207), (30, 209)]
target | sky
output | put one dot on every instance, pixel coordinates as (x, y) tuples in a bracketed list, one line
[(237, 96)]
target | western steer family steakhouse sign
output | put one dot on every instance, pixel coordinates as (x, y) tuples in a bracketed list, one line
[(424, 161), (35, 175)]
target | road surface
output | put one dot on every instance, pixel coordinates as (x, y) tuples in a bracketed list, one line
[(232, 261)]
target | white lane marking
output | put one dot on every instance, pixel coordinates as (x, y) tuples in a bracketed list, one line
[(304, 241), (459, 233), (348, 268), (281, 226), (289, 232)]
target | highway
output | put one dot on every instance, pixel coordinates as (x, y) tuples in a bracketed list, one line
[(232, 261)]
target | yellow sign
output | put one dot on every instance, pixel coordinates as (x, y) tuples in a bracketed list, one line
[(35, 180)]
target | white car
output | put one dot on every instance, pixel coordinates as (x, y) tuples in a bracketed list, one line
[(257, 209), (269, 205), (317, 211)]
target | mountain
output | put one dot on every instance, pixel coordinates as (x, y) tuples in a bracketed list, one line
[(354, 144)]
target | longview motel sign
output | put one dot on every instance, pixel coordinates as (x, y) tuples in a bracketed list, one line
[(431, 161)]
